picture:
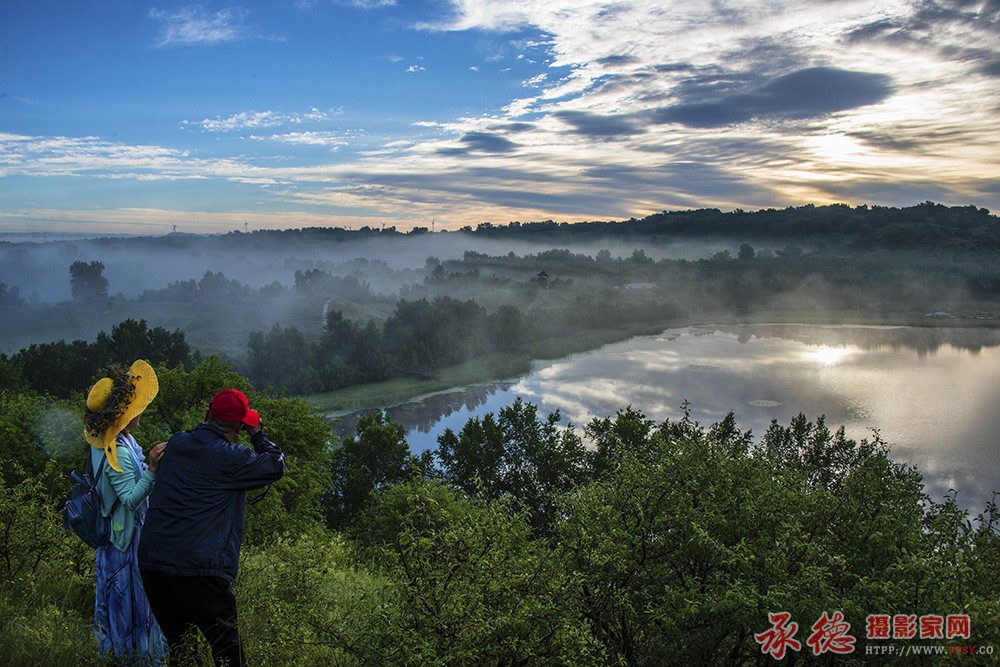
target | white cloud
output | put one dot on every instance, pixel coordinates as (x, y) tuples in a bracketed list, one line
[(96, 157), (357, 4), (371, 4), (664, 45), (624, 62), (248, 120), (330, 139), (536, 81), (193, 25)]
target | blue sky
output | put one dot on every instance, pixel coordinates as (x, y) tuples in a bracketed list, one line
[(134, 117)]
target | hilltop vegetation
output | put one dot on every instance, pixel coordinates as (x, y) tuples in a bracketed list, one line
[(927, 225), (519, 541)]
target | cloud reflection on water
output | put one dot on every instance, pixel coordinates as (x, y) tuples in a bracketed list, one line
[(931, 393)]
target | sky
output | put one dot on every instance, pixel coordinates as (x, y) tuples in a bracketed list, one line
[(127, 117)]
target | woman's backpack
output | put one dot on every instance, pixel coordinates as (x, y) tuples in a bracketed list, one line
[(82, 513)]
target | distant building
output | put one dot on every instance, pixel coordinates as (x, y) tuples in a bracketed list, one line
[(939, 313)]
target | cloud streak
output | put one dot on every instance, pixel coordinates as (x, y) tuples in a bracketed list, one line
[(251, 120), (806, 93)]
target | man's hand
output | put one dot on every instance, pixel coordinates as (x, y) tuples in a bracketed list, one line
[(155, 454), (252, 430)]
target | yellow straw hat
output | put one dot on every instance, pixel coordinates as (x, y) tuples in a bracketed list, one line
[(113, 402)]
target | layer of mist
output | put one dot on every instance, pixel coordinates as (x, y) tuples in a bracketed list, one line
[(133, 265)]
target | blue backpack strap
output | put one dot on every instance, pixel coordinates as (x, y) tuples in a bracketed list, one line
[(100, 468), (97, 478), (94, 476)]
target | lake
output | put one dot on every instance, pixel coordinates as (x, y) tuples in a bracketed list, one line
[(931, 392)]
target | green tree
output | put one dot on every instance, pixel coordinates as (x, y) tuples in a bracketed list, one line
[(130, 340), (630, 433), (306, 600), (282, 358), (62, 368), (956, 569), (516, 454), (691, 537), (378, 455), (11, 374), (509, 329), (215, 287), (427, 335), (348, 354), (10, 297), (46, 581), (87, 282), (21, 454)]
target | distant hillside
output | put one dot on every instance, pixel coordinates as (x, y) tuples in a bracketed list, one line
[(926, 225)]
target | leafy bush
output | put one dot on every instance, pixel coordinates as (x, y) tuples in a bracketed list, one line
[(46, 583), (303, 600), (473, 586)]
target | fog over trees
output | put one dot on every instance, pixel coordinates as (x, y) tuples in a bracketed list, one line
[(313, 310)]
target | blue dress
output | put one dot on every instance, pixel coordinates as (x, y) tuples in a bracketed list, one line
[(123, 624)]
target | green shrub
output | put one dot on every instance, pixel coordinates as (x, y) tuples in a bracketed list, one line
[(303, 601)]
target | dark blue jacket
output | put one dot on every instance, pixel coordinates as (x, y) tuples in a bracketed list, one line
[(194, 526)]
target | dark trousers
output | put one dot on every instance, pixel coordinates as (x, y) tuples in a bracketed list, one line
[(207, 603)]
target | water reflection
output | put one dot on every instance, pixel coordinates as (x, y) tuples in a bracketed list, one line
[(430, 415), (930, 392)]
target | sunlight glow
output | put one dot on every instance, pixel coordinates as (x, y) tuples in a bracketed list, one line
[(828, 356)]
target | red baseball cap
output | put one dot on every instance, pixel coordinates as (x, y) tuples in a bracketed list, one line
[(231, 405)]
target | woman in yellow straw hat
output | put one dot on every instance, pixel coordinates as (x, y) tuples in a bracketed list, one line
[(123, 625)]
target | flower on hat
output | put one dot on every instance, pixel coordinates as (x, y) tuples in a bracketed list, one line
[(121, 395)]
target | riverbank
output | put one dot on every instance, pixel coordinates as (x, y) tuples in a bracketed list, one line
[(491, 368), (495, 368)]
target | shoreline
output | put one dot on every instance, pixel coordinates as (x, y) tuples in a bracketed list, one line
[(502, 367)]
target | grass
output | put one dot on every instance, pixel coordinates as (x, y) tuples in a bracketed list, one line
[(400, 390)]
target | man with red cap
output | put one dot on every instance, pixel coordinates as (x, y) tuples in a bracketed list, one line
[(189, 550)]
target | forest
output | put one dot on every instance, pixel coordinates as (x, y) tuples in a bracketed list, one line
[(519, 539)]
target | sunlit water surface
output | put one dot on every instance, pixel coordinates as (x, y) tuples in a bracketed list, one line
[(932, 393)]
